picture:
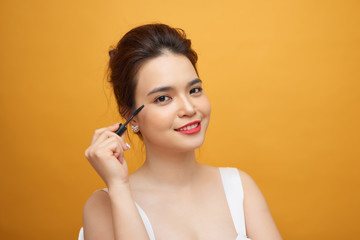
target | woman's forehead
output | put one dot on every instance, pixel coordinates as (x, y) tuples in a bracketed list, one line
[(166, 70)]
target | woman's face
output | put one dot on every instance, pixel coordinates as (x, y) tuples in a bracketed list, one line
[(177, 111)]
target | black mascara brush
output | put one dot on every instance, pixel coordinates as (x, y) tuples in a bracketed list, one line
[(122, 127)]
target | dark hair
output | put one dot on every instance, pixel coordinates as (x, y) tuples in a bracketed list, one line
[(137, 46)]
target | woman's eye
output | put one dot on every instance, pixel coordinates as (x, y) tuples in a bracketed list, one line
[(162, 99), (195, 90)]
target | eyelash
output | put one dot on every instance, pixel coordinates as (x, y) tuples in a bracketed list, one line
[(157, 100), (199, 90)]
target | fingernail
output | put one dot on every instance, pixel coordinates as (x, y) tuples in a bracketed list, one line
[(127, 145)]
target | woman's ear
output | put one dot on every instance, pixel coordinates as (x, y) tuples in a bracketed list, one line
[(134, 125)]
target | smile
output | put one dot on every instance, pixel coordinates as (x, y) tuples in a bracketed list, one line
[(190, 128)]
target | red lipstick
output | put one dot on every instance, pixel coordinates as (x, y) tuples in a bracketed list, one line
[(190, 128)]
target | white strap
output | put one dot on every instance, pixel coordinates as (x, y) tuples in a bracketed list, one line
[(146, 222), (235, 197), (81, 234)]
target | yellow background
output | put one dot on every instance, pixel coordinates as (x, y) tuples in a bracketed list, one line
[(282, 77)]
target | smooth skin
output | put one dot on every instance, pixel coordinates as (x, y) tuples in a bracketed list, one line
[(183, 199)]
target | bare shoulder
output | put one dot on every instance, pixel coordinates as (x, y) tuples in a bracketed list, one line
[(97, 216), (253, 197), (251, 189), (259, 222)]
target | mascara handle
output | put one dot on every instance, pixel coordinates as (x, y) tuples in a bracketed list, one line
[(122, 128)]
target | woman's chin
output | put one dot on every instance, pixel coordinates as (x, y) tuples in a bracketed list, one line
[(191, 145)]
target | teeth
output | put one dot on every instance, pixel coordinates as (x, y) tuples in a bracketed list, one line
[(189, 127)]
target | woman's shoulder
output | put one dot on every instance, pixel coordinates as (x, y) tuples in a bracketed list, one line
[(246, 178), (250, 188), (98, 195), (257, 213), (97, 213), (97, 204)]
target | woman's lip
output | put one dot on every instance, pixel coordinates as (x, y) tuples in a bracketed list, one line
[(191, 123), (191, 131)]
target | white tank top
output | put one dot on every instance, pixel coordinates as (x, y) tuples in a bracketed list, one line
[(234, 195)]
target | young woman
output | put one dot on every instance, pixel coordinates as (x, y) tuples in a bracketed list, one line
[(171, 196)]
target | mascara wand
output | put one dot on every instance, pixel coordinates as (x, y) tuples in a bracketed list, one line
[(122, 127)]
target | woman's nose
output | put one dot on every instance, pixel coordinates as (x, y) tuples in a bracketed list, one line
[(186, 107)]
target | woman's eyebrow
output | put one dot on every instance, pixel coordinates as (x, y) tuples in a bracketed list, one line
[(195, 81), (160, 89), (166, 88)]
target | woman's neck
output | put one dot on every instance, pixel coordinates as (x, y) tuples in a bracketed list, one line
[(170, 170)]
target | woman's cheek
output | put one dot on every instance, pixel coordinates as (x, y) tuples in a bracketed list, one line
[(157, 120), (206, 105)]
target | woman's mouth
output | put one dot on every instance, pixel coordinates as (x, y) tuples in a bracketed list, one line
[(190, 128)]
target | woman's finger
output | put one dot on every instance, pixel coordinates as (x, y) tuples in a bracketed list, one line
[(100, 131), (107, 134), (112, 143)]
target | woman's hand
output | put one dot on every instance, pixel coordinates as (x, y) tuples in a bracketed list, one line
[(106, 155)]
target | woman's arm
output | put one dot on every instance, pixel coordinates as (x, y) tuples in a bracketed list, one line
[(259, 222), (113, 215)]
